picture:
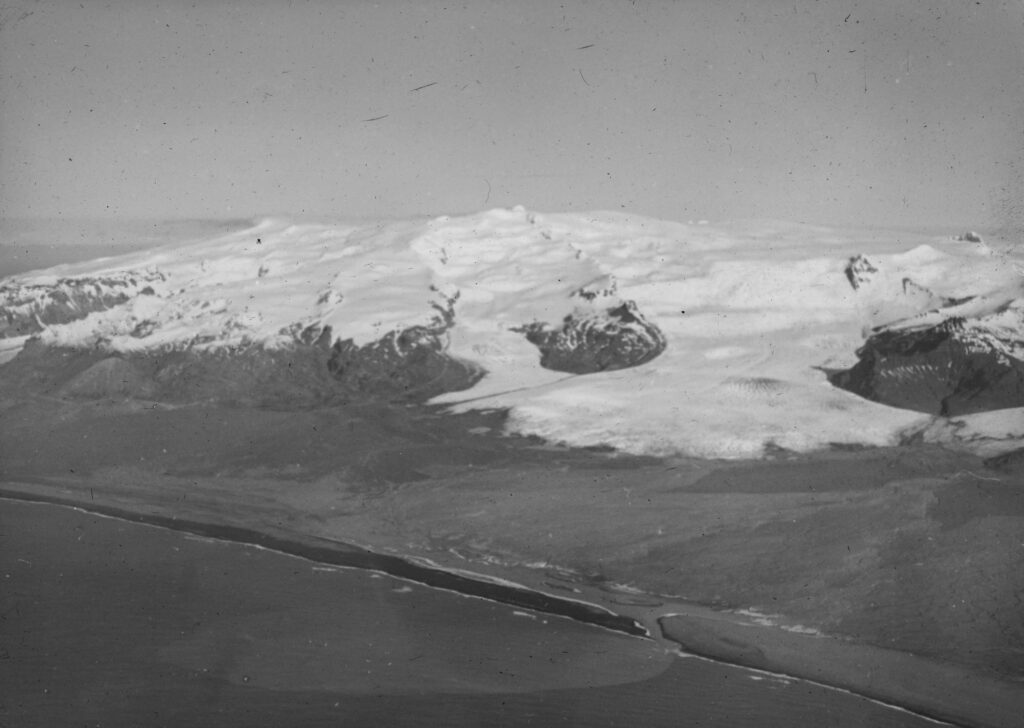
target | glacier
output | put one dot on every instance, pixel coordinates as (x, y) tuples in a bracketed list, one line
[(592, 329)]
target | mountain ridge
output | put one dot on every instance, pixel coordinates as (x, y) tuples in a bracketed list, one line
[(661, 319)]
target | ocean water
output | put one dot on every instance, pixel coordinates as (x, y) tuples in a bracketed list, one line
[(111, 623), (754, 315), (28, 244)]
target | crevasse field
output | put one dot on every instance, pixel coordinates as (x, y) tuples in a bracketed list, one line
[(754, 316)]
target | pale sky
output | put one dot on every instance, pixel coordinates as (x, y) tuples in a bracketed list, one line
[(875, 112)]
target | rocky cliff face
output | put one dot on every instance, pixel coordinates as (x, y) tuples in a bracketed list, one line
[(27, 309), (594, 341), (403, 366), (279, 378), (958, 356), (408, 364), (952, 368)]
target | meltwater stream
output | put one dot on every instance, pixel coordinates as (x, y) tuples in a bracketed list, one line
[(110, 622)]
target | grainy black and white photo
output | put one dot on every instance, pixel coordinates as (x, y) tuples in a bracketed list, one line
[(489, 363)]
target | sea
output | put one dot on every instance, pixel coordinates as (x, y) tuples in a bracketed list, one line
[(32, 243), (104, 622)]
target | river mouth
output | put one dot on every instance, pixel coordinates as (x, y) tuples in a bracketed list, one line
[(111, 621)]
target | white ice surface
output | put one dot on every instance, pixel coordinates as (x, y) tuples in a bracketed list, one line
[(752, 314)]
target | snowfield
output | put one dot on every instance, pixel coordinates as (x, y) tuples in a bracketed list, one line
[(752, 318)]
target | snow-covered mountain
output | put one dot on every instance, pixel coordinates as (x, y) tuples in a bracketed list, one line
[(649, 336), (947, 355)]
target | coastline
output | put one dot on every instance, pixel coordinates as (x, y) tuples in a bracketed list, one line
[(940, 691), (341, 554)]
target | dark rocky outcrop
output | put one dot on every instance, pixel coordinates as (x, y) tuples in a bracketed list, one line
[(289, 377), (952, 368), (399, 367), (314, 368), (932, 353), (408, 364), (859, 270), (614, 338)]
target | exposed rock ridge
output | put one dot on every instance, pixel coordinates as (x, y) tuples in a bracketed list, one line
[(280, 378), (604, 333), (859, 270), (958, 356), (29, 308), (411, 363)]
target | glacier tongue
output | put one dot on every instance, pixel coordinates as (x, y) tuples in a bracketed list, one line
[(601, 328)]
